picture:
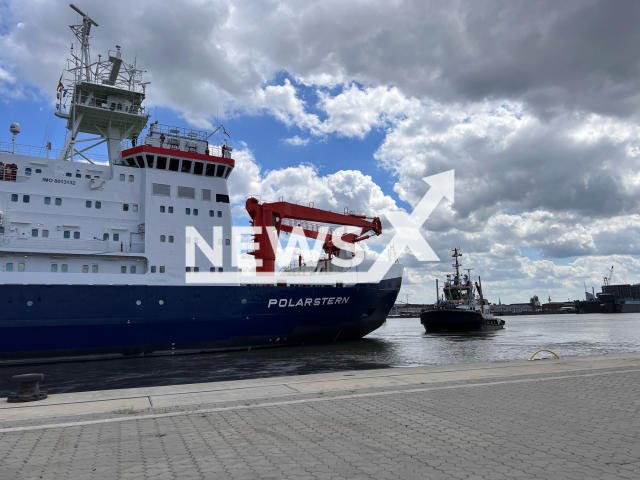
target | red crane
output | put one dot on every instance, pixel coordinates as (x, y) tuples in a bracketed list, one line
[(272, 215)]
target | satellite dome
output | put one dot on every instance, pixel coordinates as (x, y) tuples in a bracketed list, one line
[(14, 128)]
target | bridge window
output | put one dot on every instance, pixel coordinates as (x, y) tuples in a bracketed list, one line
[(88, 203), (174, 164), (228, 172), (98, 205), (45, 233), (162, 163), (47, 200), (67, 234), (58, 201), (9, 267), (76, 235), (105, 236), (140, 161), (34, 232), (54, 267), (150, 161), (27, 171), (186, 166), (206, 194), (14, 197), (220, 171), (116, 237), (222, 198), (198, 168), (26, 198), (210, 171), (65, 268)]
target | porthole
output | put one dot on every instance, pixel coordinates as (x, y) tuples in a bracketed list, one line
[(161, 302), (29, 303), (138, 302), (243, 301)]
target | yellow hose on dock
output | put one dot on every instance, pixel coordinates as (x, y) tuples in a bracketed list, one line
[(544, 350)]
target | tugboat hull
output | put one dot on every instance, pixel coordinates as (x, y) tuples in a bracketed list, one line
[(458, 321)]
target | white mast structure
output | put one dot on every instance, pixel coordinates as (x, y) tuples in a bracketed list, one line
[(105, 98)]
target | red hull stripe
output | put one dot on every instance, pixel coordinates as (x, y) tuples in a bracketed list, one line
[(177, 153)]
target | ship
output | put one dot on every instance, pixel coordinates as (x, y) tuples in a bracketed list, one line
[(623, 298), (459, 309), (98, 253)]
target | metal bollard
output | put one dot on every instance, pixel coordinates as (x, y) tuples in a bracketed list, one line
[(28, 388)]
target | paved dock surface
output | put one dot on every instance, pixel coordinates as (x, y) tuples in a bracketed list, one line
[(575, 418)]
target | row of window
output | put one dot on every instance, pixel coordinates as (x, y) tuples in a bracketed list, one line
[(28, 170), (123, 177), (188, 211), (64, 268), (58, 201), (164, 190), (187, 269), (176, 165), (125, 207), (66, 234)]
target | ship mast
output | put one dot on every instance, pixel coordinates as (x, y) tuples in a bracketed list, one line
[(105, 97), (455, 255)]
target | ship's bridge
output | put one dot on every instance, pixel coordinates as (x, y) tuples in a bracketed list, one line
[(179, 149)]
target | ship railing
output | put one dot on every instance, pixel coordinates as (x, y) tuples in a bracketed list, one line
[(42, 152), (37, 244), (170, 131), (309, 226), (155, 142)]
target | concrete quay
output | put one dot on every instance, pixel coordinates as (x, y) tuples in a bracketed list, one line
[(574, 418)]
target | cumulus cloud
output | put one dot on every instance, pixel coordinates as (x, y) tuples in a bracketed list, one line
[(296, 141)]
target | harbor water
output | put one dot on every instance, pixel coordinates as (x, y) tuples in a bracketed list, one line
[(401, 342)]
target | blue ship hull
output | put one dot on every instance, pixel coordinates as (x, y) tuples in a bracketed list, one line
[(73, 322)]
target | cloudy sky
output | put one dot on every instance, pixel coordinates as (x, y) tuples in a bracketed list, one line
[(534, 104)]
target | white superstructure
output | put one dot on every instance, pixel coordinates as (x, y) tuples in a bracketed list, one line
[(76, 217)]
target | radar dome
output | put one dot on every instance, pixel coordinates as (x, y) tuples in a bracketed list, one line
[(14, 128)]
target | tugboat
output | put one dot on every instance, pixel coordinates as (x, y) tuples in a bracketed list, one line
[(459, 310)]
